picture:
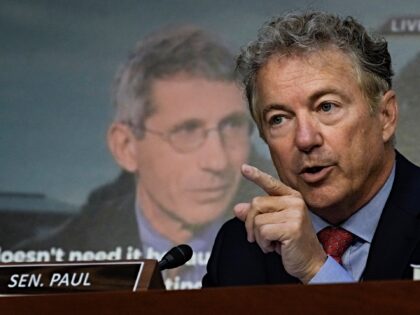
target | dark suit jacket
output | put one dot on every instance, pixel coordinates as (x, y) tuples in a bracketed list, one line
[(394, 247), (108, 220), (99, 227)]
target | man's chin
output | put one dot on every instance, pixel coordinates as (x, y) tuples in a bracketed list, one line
[(203, 216), (199, 224), (320, 200)]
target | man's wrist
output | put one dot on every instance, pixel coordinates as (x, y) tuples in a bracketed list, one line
[(314, 268)]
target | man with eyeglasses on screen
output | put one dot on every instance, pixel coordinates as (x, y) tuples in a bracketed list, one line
[(181, 127)]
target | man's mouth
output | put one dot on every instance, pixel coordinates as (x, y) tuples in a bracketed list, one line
[(210, 194), (210, 188), (313, 169), (211, 191), (315, 173)]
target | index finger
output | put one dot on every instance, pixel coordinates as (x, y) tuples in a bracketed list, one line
[(268, 183)]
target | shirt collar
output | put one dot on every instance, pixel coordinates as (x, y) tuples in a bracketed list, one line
[(149, 237), (363, 223)]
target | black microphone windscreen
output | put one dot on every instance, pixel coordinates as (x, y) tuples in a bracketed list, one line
[(176, 257)]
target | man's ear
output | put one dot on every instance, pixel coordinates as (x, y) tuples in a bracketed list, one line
[(122, 144), (389, 115)]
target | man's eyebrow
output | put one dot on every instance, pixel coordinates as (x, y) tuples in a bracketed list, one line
[(318, 94), (238, 114), (275, 106), (186, 122)]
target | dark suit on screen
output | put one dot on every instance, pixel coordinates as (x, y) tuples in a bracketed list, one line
[(108, 218), (396, 243)]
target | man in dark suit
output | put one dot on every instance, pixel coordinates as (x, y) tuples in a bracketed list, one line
[(347, 205)]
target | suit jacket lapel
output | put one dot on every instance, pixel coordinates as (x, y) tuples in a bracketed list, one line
[(398, 230), (128, 229), (114, 224)]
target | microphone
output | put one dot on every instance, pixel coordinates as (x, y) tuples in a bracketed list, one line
[(176, 257)]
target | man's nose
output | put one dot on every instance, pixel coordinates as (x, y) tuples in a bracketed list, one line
[(213, 153), (308, 134)]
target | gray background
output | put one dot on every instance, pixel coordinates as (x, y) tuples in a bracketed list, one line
[(58, 58)]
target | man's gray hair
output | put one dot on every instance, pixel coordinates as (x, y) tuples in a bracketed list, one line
[(300, 33), (166, 53)]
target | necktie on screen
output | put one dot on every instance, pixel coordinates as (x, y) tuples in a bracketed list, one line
[(335, 241)]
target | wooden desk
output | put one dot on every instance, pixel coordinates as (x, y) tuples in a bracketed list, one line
[(387, 297)]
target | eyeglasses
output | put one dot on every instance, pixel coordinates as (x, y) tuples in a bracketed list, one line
[(234, 130)]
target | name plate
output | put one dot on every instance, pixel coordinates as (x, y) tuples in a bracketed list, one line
[(416, 271), (70, 277)]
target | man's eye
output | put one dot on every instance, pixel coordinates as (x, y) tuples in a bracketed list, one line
[(188, 127), (276, 120), (326, 107), (234, 122)]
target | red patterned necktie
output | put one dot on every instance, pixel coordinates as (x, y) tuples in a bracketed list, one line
[(335, 241)]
